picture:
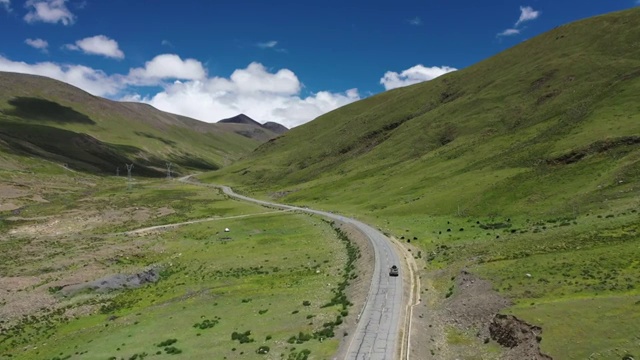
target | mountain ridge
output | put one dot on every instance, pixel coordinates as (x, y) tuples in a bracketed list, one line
[(271, 126), (43, 117)]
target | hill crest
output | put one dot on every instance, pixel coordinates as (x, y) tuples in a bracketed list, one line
[(46, 118), (271, 126)]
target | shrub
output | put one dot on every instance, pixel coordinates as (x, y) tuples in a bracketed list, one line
[(263, 350), (306, 303), (242, 337), (172, 350), (167, 342), (207, 324)]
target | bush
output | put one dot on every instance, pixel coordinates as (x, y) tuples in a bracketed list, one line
[(207, 324), (303, 355), (242, 337), (167, 342), (306, 303), (263, 350), (172, 350)]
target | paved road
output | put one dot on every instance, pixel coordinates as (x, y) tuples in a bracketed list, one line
[(378, 329)]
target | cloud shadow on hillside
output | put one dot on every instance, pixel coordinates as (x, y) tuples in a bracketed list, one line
[(29, 108)]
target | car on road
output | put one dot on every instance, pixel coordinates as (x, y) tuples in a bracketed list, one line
[(393, 271)]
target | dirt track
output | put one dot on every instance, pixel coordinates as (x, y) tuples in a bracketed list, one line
[(169, 226)]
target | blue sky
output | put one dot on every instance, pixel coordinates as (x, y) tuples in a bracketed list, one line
[(291, 60)]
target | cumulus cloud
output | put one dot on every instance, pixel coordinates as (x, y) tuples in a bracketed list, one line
[(167, 66), (413, 75), (93, 81), (6, 4), (49, 11), (255, 91), (268, 44), (37, 44), (261, 93), (526, 14), (98, 45)]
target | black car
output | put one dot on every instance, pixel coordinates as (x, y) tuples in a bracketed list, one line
[(393, 271)]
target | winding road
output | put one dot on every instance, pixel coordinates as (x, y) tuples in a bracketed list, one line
[(377, 334)]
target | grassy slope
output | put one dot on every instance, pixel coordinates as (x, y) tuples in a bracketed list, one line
[(500, 121), (542, 138), (46, 118)]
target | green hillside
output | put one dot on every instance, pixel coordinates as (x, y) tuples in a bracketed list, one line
[(50, 120), (528, 162), (556, 117)]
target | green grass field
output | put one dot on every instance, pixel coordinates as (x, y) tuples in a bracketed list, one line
[(277, 275)]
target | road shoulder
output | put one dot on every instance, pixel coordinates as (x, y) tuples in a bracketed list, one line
[(358, 288)]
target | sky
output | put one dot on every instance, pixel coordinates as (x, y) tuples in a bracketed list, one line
[(284, 61)]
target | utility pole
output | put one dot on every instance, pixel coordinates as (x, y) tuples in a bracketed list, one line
[(129, 168), (169, 170)]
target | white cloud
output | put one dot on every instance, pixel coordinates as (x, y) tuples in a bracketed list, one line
[(49, 11), (93, 81), (262, 95), (526, 14), (167, 66), (37, 44), (416, 21), (413, 75), (256, 78), (166, 43), (98, 45), (6, 4), (509, 32), (268, 44)]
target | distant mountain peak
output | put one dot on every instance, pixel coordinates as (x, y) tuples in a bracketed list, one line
[(240, 119), (274, 127)]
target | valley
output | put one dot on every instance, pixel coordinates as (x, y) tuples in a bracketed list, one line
[(507, 194)]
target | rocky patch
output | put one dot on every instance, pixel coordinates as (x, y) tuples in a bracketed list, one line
[(114, 282), (521, 338)]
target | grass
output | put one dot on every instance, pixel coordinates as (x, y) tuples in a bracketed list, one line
[(527, 162), (267, 276), (573, 319)]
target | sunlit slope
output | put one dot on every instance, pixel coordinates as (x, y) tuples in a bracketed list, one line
[(547, 126), (48, 119)]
